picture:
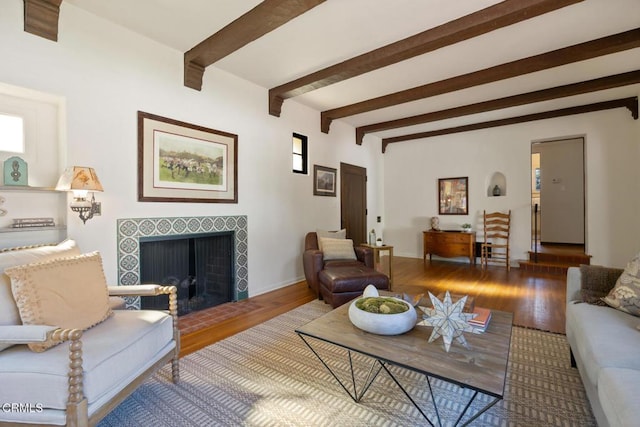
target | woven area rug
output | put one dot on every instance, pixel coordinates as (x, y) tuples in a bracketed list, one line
[(266, 376)]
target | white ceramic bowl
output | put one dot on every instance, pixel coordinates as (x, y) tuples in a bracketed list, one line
[(383, 324)]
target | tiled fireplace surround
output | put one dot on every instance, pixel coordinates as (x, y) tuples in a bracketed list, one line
[(130, 230)]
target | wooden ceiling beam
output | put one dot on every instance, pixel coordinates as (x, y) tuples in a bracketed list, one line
[(41, 18), (580, 52), (630, 103), (491, 18), (603, 83), (262, 19)]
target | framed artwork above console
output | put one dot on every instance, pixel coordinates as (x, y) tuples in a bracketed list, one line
[(453, 196)]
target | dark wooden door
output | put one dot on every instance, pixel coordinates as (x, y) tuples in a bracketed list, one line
[(353, 202)]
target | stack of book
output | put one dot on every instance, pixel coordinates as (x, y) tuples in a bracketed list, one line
[(33, 222), (481, 321)]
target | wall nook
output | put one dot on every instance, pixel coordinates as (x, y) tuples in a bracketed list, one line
[(497, 185)]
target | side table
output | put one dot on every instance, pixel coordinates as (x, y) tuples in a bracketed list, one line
[(377, 262)]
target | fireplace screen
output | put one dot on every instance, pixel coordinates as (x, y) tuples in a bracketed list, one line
[(199, 266)]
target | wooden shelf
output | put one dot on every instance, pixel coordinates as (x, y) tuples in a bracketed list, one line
[(27, 188), (23, 229)]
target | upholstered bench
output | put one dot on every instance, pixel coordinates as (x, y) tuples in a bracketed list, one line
[(339, 285)]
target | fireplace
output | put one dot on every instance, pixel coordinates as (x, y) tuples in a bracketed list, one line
[(133, 232), (200, 266)]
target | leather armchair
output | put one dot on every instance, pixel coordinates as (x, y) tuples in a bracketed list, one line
[(313, 261)]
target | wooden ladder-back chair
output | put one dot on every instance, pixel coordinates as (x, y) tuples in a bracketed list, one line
[(495, 247)]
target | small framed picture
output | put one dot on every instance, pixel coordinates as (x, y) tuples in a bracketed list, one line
[(324, 181), (453, 196)]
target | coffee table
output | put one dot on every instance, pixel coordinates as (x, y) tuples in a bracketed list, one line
[(481, 368)]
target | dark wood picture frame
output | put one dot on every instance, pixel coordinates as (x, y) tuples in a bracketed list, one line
[(183, 162), (453, 196), (325, 181)]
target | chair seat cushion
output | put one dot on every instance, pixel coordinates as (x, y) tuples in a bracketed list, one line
[(352, 279), (113, 353)]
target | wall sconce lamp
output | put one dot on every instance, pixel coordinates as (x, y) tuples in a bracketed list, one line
[(81, 180)]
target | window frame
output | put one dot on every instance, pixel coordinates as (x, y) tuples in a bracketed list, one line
[(23, 120), (303, 155)]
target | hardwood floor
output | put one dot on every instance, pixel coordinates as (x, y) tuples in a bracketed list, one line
[(536, 300)]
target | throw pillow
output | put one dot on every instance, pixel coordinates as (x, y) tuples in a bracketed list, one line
[(340, 234), (70, 293), (9, 315), (597, 282), (337, 249), (625, 295)]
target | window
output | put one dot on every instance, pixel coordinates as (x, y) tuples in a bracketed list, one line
[(11, 133), (299, 153)]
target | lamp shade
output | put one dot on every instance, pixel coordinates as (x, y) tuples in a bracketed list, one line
[(79, 178)]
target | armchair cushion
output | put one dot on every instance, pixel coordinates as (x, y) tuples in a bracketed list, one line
[(114, 352), (70, 293), (9, 314), (337, 249), (340, 234)]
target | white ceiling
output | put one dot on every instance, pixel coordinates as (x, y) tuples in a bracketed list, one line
[(340, 29)]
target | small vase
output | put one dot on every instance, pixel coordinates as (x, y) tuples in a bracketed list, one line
[(496, 190), (372, 237)]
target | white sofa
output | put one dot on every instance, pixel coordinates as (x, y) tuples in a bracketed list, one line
[(79, 381), (605, 347)]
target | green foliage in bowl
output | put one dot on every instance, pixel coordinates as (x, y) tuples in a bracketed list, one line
[(381, 305)]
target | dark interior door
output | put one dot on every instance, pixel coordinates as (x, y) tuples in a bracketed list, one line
[(353, 202)]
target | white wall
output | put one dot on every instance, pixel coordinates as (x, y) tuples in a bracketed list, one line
[(106, 74), (612, 152)]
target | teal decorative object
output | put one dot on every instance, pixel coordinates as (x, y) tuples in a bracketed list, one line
[(15, 171)]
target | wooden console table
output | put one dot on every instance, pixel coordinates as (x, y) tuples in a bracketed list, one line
[(449, 244)]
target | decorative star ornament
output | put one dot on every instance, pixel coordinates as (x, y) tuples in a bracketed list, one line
[(448, 320)]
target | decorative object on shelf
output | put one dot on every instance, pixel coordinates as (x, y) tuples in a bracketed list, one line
[(453, 196), (15, 171), (496, 190), (448, 320), (466, 227), (33, 222), (372, 237), (379, 242), (3, 212), (324, 181), (435, 223), (81, 180), (382, 323), (183, 162)]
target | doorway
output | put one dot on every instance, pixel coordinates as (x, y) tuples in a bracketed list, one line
[(557, 192), (353, 202)]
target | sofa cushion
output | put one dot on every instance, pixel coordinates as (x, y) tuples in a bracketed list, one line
[(113, 353), (625, 295), (596, 282), (70, 293), (9, 314), (603, 337), (337, 249), (618, 391)]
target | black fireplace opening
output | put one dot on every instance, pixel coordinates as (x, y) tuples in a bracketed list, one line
[(200, 266)]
